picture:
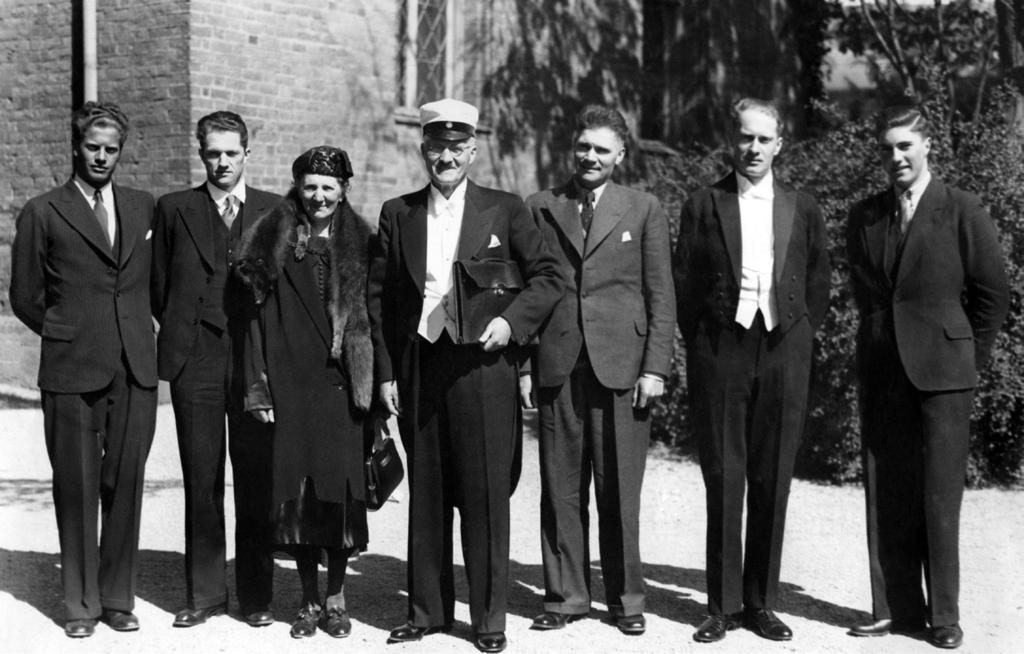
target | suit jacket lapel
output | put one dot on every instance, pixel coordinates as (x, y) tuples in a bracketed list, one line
[(301, 277), (926, 215), (253, 207), (727, 206), (196, 216), (73, 207), (567, 215), (783, 215), (413, 235), (876, 233), (128, 214), (607, 214), (476, 224)]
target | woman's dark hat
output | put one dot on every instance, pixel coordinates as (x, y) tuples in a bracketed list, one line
[(323, 160)]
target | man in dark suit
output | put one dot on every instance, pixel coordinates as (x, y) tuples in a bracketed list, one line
[(457, 404), (202, 310), (930, 287), (80, 279), (752, 278), (602, 359)]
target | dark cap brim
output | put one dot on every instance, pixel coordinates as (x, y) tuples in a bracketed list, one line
[(449, 131)]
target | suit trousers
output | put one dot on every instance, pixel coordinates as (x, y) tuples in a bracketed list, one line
[(201, 394), (915, 460), (587, 429), (98, 443), (749, 391), (460, 436)]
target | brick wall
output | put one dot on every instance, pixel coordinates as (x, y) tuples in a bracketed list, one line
[(142, 59), (301, 72)]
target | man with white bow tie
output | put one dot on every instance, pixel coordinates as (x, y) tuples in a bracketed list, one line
[(752, 280), (455, 400)]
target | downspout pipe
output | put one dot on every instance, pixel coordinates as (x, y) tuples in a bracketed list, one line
[(89, 50)]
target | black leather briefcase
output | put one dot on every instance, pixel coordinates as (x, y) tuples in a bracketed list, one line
[(483, 289)]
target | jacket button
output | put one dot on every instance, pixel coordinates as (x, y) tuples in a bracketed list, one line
[(792, 297), (790, 315), (201, 300), (111, 271)]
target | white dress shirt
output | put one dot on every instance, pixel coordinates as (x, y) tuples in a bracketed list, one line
[(220, 196), (107, 193), (758, 252), (916, 191), (444, 224)]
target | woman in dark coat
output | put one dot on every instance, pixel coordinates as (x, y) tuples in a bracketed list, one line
[(309, 371)]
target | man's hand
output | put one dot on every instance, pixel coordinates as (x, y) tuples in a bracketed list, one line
[(647, 388), (496, 335), (526, 391), (389, 397), (263, 415)]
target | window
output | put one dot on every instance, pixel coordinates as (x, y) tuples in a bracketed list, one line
[(442, 50)]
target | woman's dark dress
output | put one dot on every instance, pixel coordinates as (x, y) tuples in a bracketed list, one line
[(318, 486)]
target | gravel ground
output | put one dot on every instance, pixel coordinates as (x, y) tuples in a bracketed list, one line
[(824, 570)]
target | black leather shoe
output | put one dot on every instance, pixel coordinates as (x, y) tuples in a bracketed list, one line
[(550, 620), (304, 625), (766, 624), (491, 642), (632, 625), (79, 628), (120, 620), (947, 636), (336, 623), (715, 627), (189, 617), (262, 618), (884, 628), (872, 629), (410, 633)]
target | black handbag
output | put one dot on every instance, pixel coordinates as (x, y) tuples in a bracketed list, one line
[(383, 468), (483, 289)]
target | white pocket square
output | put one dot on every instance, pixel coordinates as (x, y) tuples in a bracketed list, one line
[(149, 234), (494, 242), (626, 237)]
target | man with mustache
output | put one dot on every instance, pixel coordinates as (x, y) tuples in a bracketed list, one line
[(203, 311), (931, 289), (752, 280), (601, 362), (456, 402), (80, 279)]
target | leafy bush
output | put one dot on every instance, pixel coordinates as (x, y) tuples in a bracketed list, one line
[(984, 156)]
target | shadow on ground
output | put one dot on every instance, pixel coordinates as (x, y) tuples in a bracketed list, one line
[(375, 590)]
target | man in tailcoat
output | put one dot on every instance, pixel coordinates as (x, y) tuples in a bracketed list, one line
[(602, 359), (202, 309), (930, 286), (80, 279), (752, 280), (457, 404)]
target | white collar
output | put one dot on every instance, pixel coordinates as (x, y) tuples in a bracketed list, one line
[(89, 191), (458, 196), (764, 189), (917, 188), (218, 194)]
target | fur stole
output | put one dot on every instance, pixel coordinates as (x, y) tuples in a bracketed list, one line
[(282, 233)]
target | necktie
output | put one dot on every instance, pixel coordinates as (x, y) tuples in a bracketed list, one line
[(906, 211), (228, 215), (587, 212), (101, 215)]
